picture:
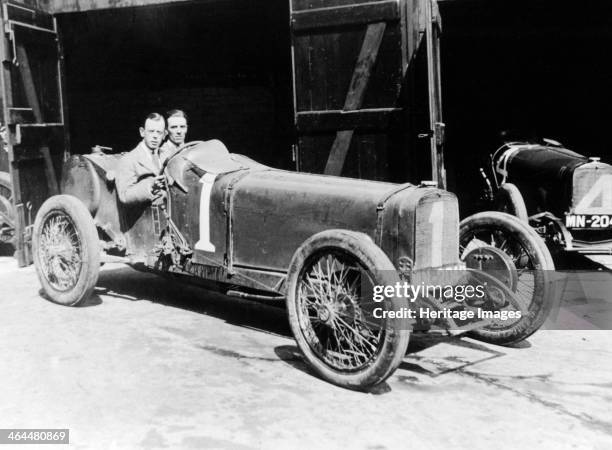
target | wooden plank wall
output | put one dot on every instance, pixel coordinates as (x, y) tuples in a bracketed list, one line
[(349, 77), (68, 6), (42, 5)]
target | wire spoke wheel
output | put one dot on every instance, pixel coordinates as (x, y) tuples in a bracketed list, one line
[(6, 220), (60, 252), (518, 253), (330, 285), (532, 263), (334, 316), (7, 213), (66, 250)]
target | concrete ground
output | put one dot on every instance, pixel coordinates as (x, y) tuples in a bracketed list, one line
[(151, 364)]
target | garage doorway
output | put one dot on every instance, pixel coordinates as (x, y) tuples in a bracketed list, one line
[(226, 63)]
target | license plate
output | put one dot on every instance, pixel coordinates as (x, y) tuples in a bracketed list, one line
[(592, 221)]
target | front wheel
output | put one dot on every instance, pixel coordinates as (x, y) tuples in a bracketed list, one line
[(508, 199), (66, 250), (527, 268), (332, 313)]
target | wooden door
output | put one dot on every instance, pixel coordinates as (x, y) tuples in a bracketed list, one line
[(348, 58), (361, 109)]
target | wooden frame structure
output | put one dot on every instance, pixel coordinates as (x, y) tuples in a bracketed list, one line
[(33, 112), (350, 64)]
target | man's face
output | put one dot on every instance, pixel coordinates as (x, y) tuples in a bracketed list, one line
[(153, 133), (177, 129)]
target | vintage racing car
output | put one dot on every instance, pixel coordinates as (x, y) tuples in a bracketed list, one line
[(566, 197), (319, 243)]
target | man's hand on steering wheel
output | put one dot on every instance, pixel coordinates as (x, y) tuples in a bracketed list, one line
[(158, 188), (159, 183)]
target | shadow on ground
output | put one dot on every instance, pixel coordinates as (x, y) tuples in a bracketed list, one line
[(6, 249), (130, 285)]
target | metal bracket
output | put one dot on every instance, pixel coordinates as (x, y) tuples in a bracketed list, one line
[(156, 220)]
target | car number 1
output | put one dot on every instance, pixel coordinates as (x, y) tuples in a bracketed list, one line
[(204, 244)]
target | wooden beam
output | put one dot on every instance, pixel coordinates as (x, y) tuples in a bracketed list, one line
[(30, 14), (354, 98), (21, 115), (67, 6), (49, 171), (382, 11), (333, 120), (42, 5), (28, 82)]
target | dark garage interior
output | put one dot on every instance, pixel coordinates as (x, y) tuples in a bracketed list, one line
[(227, 64), (531, 68), (535, 69)]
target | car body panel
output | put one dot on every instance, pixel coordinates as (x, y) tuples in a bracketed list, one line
[(274, 212), (542, 174), (245, 224)]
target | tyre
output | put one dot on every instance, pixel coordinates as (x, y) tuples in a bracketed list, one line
[(533, 263), (66, 250), (331, 312), (7, 213), (509, 199)]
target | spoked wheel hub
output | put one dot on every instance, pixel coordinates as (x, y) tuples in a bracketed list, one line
[(333, 315), (66, 250), (60, 252), (332, 312), (342, 307)]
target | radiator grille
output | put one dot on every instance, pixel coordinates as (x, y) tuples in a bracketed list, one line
[(592, 189), (436, 231)]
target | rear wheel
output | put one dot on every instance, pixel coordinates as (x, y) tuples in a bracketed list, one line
[(66, 250), (530, 278), (331, 309), (7, 214)]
